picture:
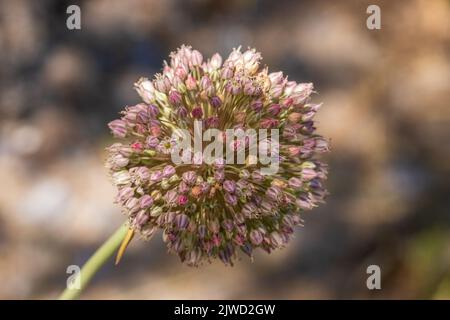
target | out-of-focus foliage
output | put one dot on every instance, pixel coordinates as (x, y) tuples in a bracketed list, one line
[(386, 108)]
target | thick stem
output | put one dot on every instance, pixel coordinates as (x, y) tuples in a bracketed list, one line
[(96, 261)]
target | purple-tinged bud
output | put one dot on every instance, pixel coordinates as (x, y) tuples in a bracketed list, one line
[(256, 238), (276, 78), (168, 171), (181, 221), (183, 187), (119, 161), (273, 193), (125, 193), (197, 112), (205, 83), (230, 199), (118, 128), (277, 91), (145, 201), (274, 109), (321, 145), (266, 207), (257, 176), (295, 182), (191, 83), (249, 89), (304, 203), (225, 257), (193, 257), (182, 112), (233, 88), (196, 58), (161, 85), (145, 89), (215, 102), (132, 205), (219, 175), (181, 72), (247, 249), (228, 225), (229, 186), (269, 123), (249, 210), (216, 61), (301, 92), (141, 219), (189, 177), (256, 106), (227, 73), (143, 173), (156, 176), (171, 197), (151, 142), (153, 110), (174, 97), (205, 187), (212, 122), (308, 174), (276, 239), (182, 200)]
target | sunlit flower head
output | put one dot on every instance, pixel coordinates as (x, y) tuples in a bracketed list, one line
[(210, 210)]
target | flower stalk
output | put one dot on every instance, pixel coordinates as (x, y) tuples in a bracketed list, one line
[(95, 262)]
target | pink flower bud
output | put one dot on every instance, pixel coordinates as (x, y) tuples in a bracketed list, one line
[(216, 61), (215, 102), (191, 84), (145, 201), (182, 200), (189, 177), (168, 171), (229, 186), (174, 97), (196, 58), (118, 128), (274, 109), (197, 112)]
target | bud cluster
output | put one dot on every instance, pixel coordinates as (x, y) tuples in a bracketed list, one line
[(210, 211)]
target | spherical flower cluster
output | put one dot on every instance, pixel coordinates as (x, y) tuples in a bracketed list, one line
[(209, 211)]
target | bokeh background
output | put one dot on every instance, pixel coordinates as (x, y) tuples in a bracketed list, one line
[(386, 109)]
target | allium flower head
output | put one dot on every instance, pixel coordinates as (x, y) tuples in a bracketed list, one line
[(209, 211)]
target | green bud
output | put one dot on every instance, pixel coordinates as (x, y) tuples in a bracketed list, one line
[(156, 211), (165, 184), (308, 165), (174, 178), (150, 153)]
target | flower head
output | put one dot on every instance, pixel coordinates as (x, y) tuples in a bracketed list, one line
[(209, 211)]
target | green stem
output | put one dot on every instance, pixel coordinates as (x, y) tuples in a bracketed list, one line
[(96, 261)]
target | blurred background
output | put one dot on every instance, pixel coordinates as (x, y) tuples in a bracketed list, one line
[(386, 110)]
